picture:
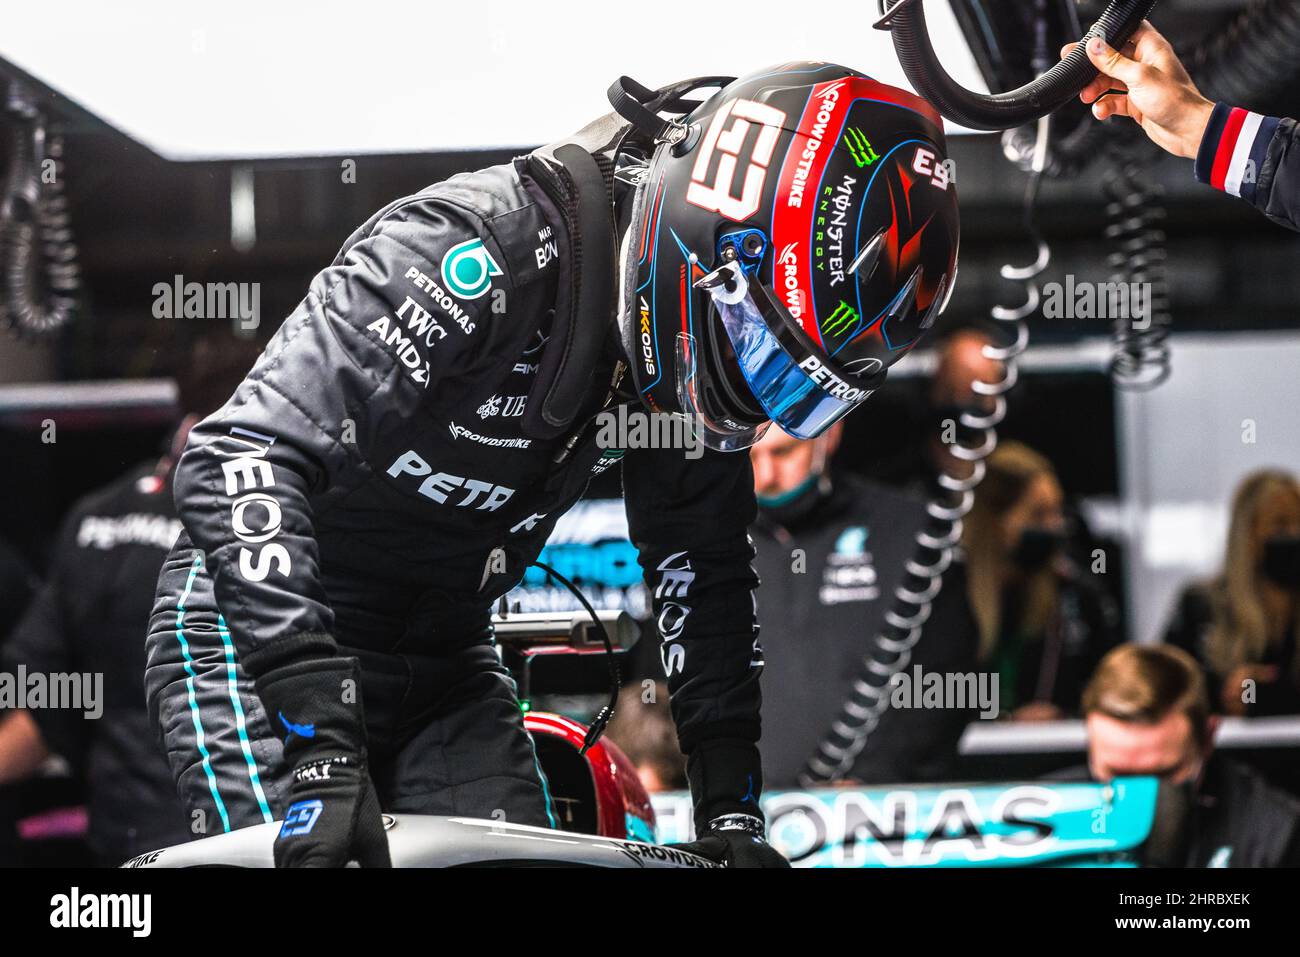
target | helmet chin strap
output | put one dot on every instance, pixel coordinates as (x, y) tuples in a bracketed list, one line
[(641, 106)]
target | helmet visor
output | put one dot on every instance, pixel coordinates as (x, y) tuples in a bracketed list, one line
[(796, 389), (714, 431)]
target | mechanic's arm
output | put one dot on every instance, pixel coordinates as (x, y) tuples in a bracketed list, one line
[(329, 387), (689, 519), (1243, 153)]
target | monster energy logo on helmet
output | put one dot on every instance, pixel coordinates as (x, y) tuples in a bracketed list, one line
[(468, 268), (859, 147), (842, 318)]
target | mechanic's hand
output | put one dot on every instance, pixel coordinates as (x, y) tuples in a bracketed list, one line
[(735, 840), (333, 815), (1153, 89)]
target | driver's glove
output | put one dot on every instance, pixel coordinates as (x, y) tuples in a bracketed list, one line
[(333, 815), (735, 840), (726, 780)]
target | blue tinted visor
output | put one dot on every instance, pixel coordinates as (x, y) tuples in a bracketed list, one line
[(796, 389)]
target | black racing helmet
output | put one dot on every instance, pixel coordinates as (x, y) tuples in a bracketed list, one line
[(789, 239)]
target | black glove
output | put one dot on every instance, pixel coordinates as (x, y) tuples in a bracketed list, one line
[(726, 779), (333, 815), (735, 840)]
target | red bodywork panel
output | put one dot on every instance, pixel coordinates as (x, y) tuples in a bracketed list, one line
[(619, 792)]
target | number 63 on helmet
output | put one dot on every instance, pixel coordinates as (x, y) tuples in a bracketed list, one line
[(789, 239)]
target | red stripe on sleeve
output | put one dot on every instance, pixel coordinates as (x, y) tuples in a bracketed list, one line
[(1227, 143)]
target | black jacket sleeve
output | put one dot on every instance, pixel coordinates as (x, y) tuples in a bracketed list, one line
[(1255, 157), (354, 361), (689, 519)]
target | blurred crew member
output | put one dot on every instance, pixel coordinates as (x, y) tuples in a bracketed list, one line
[(1044, 622), (89, 618), (960, 362), (1147, 712), (830, 551), (1243, 625), (1242, 153)]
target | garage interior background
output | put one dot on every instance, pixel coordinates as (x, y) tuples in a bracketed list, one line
[(163, 177)]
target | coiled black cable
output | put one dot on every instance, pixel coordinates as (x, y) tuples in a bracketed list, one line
[(38, 257), (1135, 212)]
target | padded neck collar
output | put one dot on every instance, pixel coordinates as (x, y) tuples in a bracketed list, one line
[(572, 181)]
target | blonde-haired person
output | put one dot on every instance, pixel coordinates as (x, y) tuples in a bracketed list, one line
[(1242, 625), (1044, 622)]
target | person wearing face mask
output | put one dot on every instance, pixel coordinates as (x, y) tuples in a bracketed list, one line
[(1147, 713), (830, 550), (1242, 626), (1044, 621)]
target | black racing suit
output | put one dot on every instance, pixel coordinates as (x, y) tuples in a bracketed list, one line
[(367, 491), (86, 619)]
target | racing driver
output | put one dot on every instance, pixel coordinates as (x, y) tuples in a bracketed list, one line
[(401, 450)]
